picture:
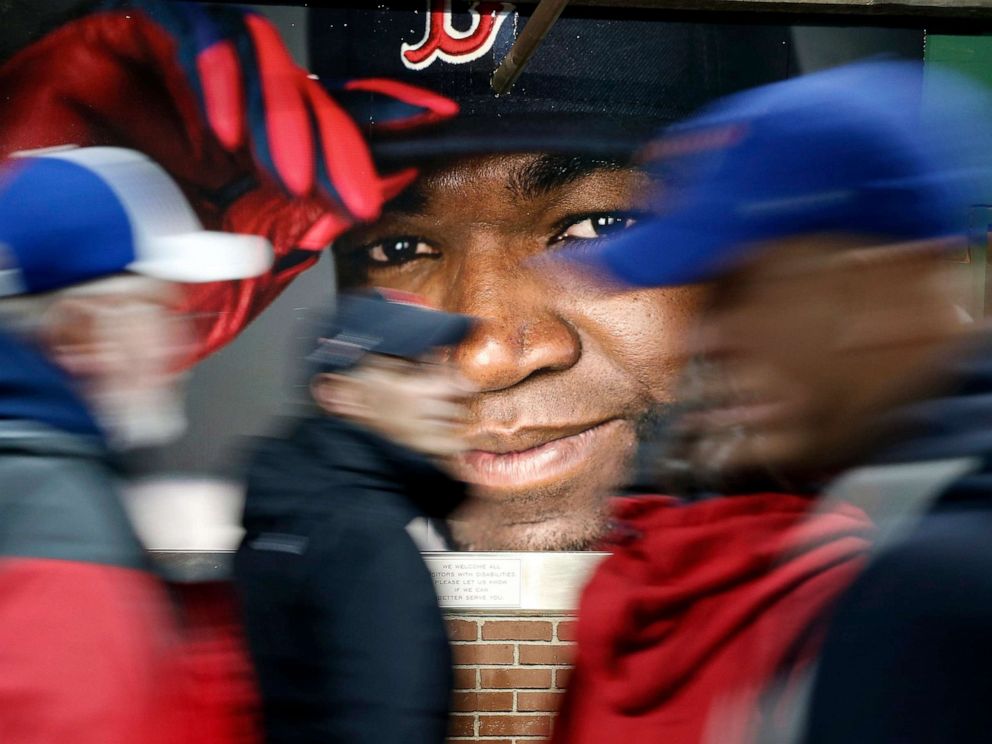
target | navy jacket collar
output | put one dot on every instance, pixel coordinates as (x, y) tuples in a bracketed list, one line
[(34, 389)]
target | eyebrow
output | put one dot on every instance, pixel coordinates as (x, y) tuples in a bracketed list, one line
[(550, 172), (538, 177), (412, 200)]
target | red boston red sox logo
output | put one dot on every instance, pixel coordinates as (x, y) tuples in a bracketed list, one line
[(443, 41)]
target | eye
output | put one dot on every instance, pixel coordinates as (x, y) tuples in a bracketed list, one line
[(595, 226), (397, 251)]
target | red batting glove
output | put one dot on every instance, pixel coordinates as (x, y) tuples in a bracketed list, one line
[(257, 145)]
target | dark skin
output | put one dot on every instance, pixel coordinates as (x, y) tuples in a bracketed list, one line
[(807, 344), (566, 373)]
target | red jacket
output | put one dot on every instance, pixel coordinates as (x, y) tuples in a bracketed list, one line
[(685, 627), (94, 647)]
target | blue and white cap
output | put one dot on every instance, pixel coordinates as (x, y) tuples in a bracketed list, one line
[(73, 215)]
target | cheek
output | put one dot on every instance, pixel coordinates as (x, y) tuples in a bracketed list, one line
[(644, 334)]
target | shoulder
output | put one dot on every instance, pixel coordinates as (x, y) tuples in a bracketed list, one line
[(64, 507), (942, 568)]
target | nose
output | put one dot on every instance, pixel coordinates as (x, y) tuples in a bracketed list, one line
[(520, 333)]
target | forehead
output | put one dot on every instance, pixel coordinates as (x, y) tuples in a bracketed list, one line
[(517, 178)]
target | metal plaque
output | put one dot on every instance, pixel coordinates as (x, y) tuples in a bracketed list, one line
[(469, 582)]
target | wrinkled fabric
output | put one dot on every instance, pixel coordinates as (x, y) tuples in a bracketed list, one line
[(700, 610)]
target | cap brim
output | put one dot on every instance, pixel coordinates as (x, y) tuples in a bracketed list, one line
[(575, 134), (204, 256), (423, 330)]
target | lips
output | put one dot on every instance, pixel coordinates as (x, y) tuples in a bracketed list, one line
[(534, 455)]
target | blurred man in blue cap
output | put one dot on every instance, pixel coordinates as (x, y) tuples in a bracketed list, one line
[(94, 246), (825, 215)]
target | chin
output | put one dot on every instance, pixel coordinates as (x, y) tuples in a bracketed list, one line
[(486, 525), (568, 513)]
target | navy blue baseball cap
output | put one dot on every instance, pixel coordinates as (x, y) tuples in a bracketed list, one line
[(384, 321), (600, 84), (847, 150), (73, 215)]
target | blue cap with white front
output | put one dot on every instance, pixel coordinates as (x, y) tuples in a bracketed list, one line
[(73, 215), (847, 150)]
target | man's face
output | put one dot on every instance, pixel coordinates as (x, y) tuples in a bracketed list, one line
[(565, 374), (798, 352), (124, 341)]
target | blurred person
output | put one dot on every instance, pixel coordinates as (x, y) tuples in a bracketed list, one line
[(826, 343), (342, 616), (568, 379), (94, 244)]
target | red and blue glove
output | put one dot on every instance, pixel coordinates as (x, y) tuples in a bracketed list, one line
[(257, 144)]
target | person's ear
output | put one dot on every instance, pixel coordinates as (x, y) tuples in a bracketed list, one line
[(337, 395)]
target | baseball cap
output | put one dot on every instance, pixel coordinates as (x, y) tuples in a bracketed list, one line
[(384, 322), (72, 215), (846, 150), (600, 83)]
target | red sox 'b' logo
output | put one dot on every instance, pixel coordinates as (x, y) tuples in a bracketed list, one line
[(443, 41)]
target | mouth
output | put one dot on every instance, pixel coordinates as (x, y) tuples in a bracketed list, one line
[(536, 457)]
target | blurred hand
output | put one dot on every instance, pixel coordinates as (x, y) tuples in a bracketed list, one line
[(419, 405)]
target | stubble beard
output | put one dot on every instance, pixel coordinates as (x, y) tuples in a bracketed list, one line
[(482, 526), (580, 514)]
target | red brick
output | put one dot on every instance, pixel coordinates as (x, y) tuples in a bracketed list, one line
[(461, 725), (510, 679), (566, 630), (534, 701), (470, 702), (488, 741), (514, 725), (561, 678), (516, 630), (483, 653), (465, 679), (532, 653), (463, 630)]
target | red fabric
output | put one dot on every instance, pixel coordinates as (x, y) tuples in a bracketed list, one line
[(94, 654), (222, 704), (691, 618), (87, 655)]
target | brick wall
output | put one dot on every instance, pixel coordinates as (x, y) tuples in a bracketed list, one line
[(510, 670)]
